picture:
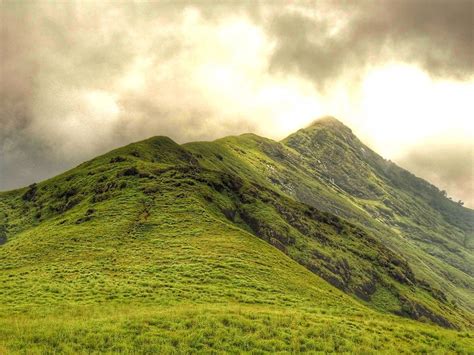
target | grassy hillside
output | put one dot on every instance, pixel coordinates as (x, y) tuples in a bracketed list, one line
[(429, 248), (434, 232), (209, 247)]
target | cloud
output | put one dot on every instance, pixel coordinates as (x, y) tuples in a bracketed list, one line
[(436, 35)]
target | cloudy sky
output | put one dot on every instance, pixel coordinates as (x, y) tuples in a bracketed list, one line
[(80, 78)]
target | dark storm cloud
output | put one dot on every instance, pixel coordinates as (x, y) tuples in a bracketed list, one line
[(435, 34)]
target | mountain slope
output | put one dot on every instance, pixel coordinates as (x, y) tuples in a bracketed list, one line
[(157, 246), (436, 233), (314, 166)]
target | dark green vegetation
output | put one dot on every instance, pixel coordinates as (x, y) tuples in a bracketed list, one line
[(314, 243)]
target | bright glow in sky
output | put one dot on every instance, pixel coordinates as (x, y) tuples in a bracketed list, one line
[(402, 106)]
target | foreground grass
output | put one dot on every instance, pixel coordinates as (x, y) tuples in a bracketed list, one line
[(228, 328)]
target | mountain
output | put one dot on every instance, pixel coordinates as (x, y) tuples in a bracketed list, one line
[(314, 243)]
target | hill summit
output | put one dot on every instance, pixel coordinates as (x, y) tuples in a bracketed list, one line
[(329, 121), (314, 243)]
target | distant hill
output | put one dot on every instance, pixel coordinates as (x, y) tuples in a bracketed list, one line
[(314, 243)]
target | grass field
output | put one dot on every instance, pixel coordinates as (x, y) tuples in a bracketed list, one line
[(232, 328)]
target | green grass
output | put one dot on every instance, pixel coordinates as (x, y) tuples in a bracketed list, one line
[(221, 328), (231, 246)]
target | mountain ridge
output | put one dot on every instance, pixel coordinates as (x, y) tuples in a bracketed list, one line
[(319, 204)]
